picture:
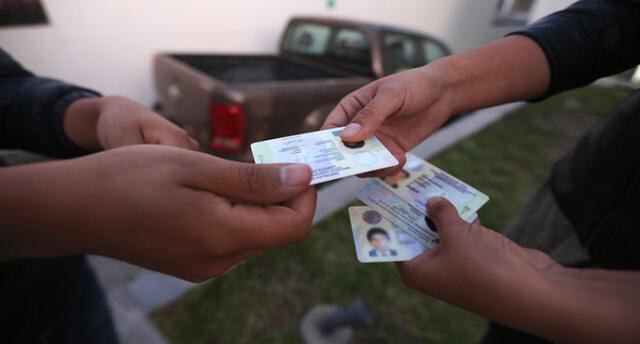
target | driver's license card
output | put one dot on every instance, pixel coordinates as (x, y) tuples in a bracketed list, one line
[(411, 220), (377, 239), (419, 180), (328, 156)]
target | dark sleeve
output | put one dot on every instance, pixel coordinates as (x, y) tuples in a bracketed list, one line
[(588, 40), (32, 111)]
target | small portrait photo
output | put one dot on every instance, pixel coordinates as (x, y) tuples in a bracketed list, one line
[(380, 241), (377, 240), (394, 179), (371, 217)]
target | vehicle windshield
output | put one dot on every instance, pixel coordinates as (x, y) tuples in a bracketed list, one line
[(343, 44)]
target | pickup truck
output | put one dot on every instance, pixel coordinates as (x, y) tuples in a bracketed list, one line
[(226, 102)]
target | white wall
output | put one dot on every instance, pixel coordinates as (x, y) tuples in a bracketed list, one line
[(543, 7), (108, 44)]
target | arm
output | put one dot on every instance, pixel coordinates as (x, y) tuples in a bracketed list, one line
[(405, 108), (483, 271), (32, 110), (513, 68), (180, 212), (599, 305), (54, 118), (568, 49)]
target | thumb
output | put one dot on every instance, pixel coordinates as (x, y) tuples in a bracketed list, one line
[(258, 183), (367, 120), (443, 215)]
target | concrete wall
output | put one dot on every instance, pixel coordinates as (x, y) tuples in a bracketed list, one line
[(108, 44)]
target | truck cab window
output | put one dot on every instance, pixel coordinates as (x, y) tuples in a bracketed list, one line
[(399, 53), (432, 51), (351, 46), (331, 43), (308, 38)]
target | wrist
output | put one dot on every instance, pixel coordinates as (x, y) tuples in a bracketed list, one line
[(537, 303), (440, 78), (510, 69), (81, 119)]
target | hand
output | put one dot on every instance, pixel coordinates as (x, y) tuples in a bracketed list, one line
[(483, 271), (401, 110), (111, 122), (184, 213), (478, 269), (405, 108)]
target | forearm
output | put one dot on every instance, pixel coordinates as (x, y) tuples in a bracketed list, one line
[(597, 306), (567, 49), (483, 271), (36, 212), (571, 306), (510, 69)]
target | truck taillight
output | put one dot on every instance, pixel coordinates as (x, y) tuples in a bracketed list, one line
[(227, 128)]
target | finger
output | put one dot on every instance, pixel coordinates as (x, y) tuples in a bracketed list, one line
[(406, 270), (414, 272), (305, 204), (123, 138), (235, 258), (380, 173), (203, 268), (173, 142), (170, 137), (387, 171), (444, 216), (257, 183), (193, 144), (338, 117), (348, 107), (369, 118), (273, 226), (217, 266)]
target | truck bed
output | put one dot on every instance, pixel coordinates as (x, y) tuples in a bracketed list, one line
[(254, 68)]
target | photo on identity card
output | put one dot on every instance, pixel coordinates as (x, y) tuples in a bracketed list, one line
[(378, 240)]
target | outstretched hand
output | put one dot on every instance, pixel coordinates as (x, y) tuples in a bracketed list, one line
[(184, 213), (110, 122), (479, 269), (401, 110)]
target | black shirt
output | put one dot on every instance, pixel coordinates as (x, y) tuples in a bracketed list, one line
[(32, 110), (597, 184), (35, 292)]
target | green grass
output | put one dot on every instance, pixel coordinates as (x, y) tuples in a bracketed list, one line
[(263, 299)]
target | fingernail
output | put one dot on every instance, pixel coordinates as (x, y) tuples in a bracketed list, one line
[(434, 200), (294, 175), (351, 129)]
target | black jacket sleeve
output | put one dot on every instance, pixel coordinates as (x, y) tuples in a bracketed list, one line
[(588, 40), (32, 111)]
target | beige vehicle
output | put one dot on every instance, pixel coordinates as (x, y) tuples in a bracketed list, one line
[(226, 102)]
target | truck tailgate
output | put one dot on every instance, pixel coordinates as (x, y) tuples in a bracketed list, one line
[(255, 68)]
